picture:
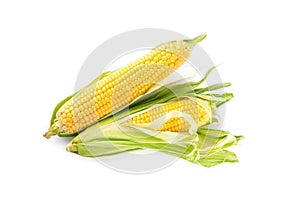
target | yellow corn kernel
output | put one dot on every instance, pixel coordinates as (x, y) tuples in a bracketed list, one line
[(200, 111)]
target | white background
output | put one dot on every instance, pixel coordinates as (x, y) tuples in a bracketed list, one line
[(43, 45)]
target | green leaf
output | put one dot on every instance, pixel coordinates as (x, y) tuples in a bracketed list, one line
[(217, 157)]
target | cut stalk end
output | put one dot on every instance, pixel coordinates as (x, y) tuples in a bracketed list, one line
[(52, 131), (72, 148), (49, 134)]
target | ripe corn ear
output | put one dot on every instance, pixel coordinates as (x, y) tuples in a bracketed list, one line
[(117, 89)]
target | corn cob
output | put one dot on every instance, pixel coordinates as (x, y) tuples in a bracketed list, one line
[(118, 89), (199, 111)]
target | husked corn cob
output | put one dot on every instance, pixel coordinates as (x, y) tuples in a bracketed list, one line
[(198, 110), (119, 88)]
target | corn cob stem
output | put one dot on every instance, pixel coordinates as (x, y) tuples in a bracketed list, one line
[(51, 131)]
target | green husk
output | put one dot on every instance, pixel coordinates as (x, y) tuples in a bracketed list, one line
[(206, 147)]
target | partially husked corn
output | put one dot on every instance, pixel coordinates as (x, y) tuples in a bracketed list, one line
[(119, 88), (199, 111)]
